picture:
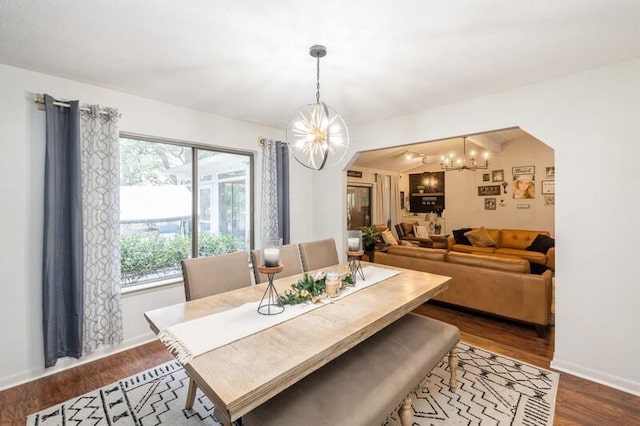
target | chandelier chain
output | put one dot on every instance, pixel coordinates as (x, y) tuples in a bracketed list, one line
[(318, 80)]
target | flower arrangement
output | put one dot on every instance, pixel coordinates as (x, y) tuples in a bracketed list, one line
[(311, 288)]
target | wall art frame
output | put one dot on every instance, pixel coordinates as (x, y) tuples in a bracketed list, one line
[(488, 190), (490, 203), (523, 170)]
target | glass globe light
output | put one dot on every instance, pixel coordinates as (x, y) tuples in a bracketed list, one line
[(317, 136)]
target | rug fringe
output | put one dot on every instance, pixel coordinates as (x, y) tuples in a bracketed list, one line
[(177, 348)]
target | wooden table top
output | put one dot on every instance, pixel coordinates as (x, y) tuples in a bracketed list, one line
[(242, 375)]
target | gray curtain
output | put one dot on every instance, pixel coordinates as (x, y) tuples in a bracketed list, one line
[(275, 191), (282, 176), (62, 288)]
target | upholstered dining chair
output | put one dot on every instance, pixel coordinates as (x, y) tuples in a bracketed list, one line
[(289, 258), (206, 276), (318, 254)]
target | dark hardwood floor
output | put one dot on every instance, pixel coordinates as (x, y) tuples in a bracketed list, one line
[(579, 401)]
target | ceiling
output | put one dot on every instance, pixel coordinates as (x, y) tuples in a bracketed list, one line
[(249, 59), (428, 154)]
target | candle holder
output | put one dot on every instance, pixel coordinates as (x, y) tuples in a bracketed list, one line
[(355, 266), (354, 240), (270, 302)]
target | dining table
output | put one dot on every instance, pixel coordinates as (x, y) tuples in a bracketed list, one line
[(251, 365)]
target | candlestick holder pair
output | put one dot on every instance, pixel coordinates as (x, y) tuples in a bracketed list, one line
[(270, 302)]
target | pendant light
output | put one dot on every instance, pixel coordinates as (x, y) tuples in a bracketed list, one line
[(317, 136)]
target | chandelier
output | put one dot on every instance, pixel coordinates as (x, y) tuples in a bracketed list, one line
[(456, 163), (317, 136)]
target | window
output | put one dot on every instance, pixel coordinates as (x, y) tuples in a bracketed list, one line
[(159, 205)]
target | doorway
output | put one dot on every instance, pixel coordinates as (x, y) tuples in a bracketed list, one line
[(358, 207)]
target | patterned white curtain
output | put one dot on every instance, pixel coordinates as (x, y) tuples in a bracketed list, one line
[(101, 216), (269, 190)]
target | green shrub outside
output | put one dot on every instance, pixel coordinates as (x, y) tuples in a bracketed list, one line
[(151, 254)]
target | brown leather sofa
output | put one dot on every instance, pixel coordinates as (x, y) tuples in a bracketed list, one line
[(511, 242), (501, 286)]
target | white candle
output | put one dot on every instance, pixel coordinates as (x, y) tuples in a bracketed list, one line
[(271, 256), (353, 244)]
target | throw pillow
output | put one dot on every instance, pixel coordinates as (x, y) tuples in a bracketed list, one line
[(388, 238), (407, 227), (458, 235), (480, 238), (538, 269), (420, 231), (542, 244)]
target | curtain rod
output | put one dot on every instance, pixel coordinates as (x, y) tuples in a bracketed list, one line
[(39, 99)]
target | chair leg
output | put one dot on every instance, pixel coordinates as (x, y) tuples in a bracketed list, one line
[(191, 394), (406, 412), (453, 367)]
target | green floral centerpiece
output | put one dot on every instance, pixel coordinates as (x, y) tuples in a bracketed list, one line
[(311, 288)]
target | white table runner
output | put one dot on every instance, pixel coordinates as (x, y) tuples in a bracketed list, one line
[(189, 339)]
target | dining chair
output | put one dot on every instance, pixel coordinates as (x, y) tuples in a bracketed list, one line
[(206, 276), (289, 258), (318, 254)]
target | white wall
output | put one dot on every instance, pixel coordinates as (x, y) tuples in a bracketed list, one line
[(591, 120), (21, 191)]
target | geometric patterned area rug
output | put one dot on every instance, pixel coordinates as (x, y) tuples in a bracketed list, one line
[(492, 390)]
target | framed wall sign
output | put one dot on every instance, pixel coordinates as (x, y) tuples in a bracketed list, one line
[(488, 190), (489, 203), (523, 170), (548, 186), (354, 173), (497, 175)]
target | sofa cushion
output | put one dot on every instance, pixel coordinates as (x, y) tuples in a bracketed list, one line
[(419, 252), (407, 227), (507, 264), (458, 235), (420, 231), (518, 238), (531, 256), (388, 238), (471, 249), (541, 244), (480, 238)]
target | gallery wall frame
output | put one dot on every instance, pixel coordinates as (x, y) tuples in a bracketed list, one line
[(497, 175), (489, 203), (548, 186), (523, 170), (488, 190)]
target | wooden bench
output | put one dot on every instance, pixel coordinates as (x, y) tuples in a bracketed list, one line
[(364, 385)]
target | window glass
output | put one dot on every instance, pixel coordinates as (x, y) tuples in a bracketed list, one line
[(156, 206)]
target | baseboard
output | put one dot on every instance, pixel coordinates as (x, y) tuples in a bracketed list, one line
[(66, 363), (597, 376)]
